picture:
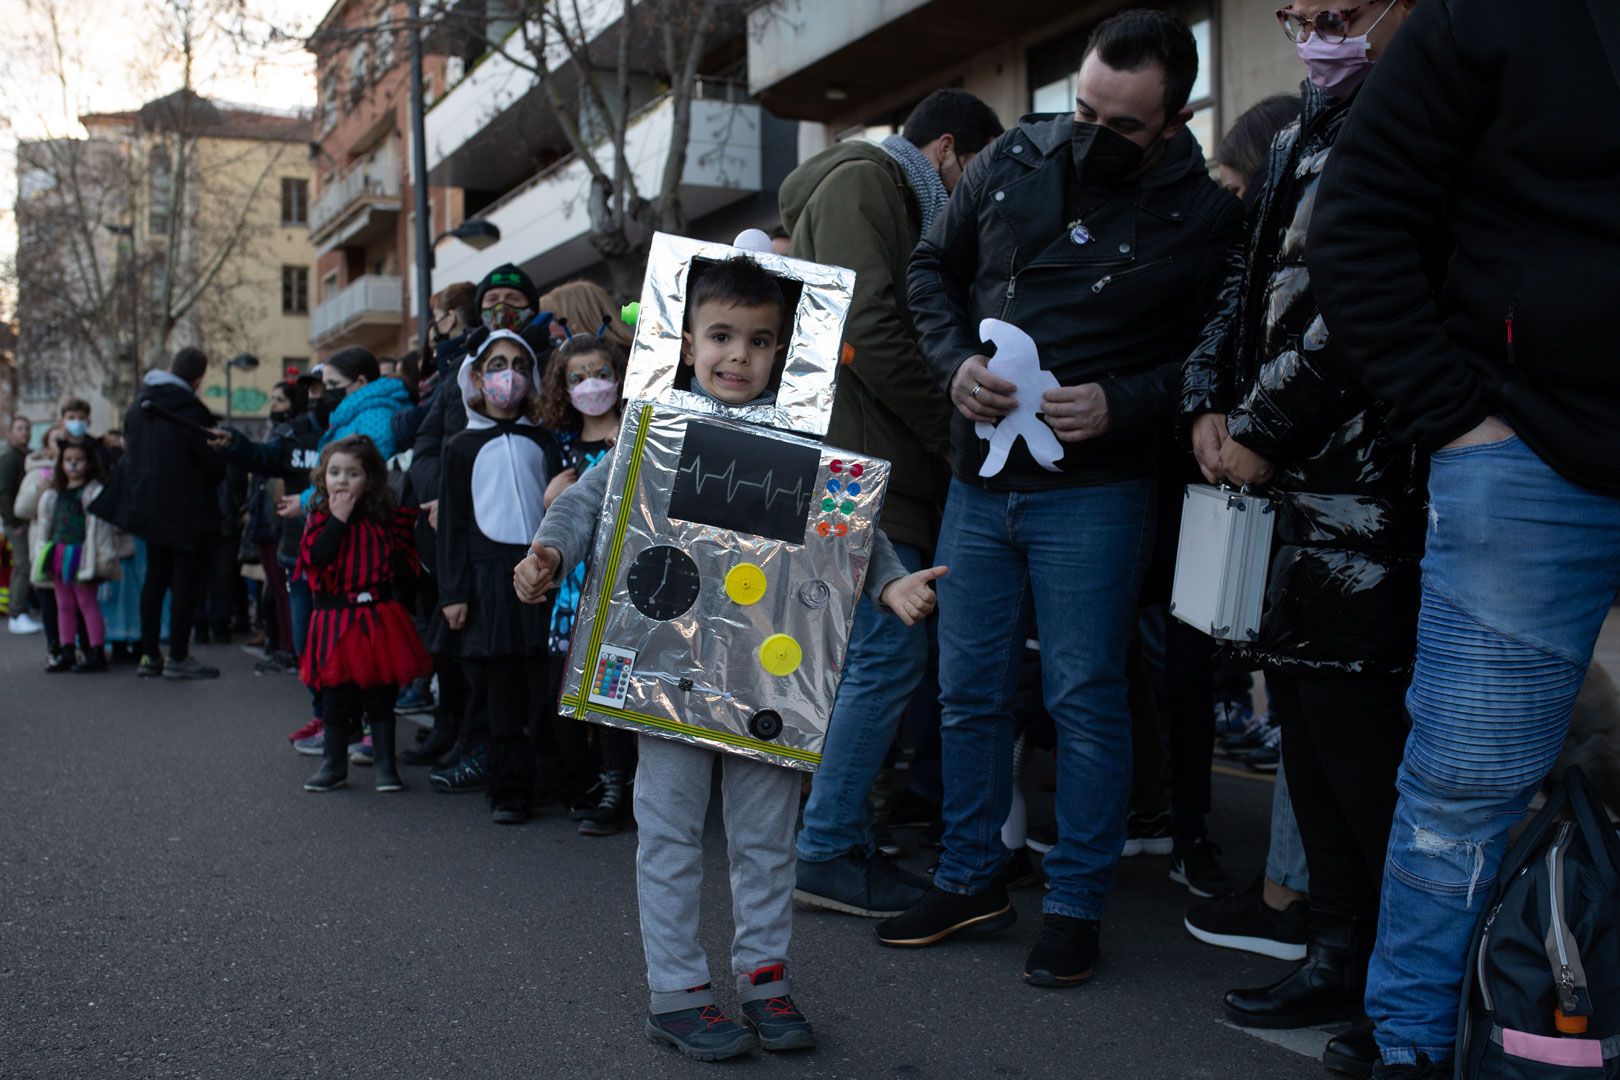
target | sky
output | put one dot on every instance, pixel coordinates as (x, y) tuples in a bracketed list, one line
[(113, 62)]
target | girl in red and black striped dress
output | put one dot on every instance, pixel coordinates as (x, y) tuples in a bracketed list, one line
[(362, 644)]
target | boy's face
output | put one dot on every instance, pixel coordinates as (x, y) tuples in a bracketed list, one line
[(733, 350)]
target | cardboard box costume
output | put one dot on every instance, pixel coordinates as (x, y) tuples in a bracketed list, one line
[(733, 544)]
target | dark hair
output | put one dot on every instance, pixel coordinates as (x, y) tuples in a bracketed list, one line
[(74, 405), (952, 111), (1133, 39), (461, 300), (1245, 146), (295, 393), (738, 282), (354, 362), (780, 233), (92, 460), (557, 410), (190, 364), (377, 503)]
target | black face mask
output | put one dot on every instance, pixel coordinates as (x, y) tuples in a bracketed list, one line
[(1102, 157), (280, 416), (332, 397)]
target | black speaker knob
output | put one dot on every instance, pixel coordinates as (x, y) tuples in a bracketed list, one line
[(765, 724)]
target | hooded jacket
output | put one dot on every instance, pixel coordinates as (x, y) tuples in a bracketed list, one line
[(851, 205), (369, 410), (166, 488), (101, 539), (1122, 309), (1342, 589)]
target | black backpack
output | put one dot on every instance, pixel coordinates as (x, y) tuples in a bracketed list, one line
[(1546, 952)]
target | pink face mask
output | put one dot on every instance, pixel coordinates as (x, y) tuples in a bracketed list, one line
[(1339, 67), (504, 389), (593, 397)]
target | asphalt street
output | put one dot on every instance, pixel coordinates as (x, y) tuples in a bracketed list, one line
[(172, 904)]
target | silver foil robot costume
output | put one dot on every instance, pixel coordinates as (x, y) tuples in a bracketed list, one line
[(732, 545)]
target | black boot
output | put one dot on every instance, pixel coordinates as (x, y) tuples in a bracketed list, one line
[(62, 660), (612, 810), (440, 741), (382, 749), (1326, 988), (511, 780), (334, 770), (95, 659), (1353, 1053)]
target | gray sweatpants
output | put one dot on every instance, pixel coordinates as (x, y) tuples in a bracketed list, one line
[(761, 805)]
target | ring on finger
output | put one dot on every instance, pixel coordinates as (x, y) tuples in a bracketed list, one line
[(976, 388)]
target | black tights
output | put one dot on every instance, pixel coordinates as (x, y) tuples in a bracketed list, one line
[(513, 693), (346, 704)]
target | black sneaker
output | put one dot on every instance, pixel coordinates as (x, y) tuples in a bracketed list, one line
[(1353, 1052), (1195, 866), (857, 884), (703, 1033), (1147, 835), (469, 774), (1065, 954), (276, 663), (912, 811), (151, 667), (776, 1020), (512, 813), (1021, 871), (1245, 922), (59, 662), (1423, 1070), (189, 668), (940, 914), (580, 807)]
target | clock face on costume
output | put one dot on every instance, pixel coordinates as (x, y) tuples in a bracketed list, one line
[(664, 583)]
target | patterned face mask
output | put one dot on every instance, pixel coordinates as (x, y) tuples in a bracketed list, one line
[(507, 317), (504, 389)]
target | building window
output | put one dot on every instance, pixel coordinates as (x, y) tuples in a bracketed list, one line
[(294, 201), (160, 190), (295, 290), (384, 58)]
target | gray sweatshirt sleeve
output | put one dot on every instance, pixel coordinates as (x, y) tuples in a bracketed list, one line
[(570, 527), (570, 522)]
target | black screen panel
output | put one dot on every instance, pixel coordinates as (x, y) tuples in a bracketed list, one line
[(746, 483)]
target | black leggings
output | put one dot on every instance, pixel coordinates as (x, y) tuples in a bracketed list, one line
[(346, 703), (168, 569), (514, 695), (1342, 740)]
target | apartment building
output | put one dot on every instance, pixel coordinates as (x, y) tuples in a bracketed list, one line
[(848, 68), (494, 136), (362, 219)]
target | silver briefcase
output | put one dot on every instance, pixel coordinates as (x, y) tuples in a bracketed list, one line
[(1222, 560)]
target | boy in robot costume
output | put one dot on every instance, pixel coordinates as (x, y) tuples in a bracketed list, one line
[(734, 344)]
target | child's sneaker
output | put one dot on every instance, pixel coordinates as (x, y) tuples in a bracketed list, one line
[(312, 728), (362, 753), (313, 745), (773, 1016), (701, 1032)]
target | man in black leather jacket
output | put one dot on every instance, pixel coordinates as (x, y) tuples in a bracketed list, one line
[(1101, 236)]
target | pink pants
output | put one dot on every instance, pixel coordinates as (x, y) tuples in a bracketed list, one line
[(72, 602)]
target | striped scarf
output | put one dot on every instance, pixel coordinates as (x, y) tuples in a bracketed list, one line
[(923, 177)]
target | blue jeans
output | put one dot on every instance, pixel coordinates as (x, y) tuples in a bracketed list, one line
[(1074, 559), (1285, 858), (1520, 570), (301, 602), (885, 662)]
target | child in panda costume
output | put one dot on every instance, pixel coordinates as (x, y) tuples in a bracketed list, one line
[(491, 500)]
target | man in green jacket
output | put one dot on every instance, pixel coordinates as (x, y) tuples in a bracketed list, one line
[(865, 205)]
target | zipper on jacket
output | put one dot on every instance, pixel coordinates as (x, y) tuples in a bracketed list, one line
[(1479, 961), (1513, 307), (1568, 1003), (1102, 283)]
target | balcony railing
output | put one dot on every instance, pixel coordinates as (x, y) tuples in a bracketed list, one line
[(370, 181), (371, 299)]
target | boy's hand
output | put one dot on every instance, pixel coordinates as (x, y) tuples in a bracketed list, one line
[(432, 508), (534, 576), (341, 503), (290, 506), (455, 616), (559, 484), (912, 597)]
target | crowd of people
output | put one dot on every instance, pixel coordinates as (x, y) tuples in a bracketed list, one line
[(1364, 308)]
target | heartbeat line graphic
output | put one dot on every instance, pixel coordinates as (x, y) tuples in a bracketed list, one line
[(700, 479)]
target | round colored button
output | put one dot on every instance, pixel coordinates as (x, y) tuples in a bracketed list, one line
[(856, 469), (834, 486), (847, 507), (829, 505), (836, 466), (854, 488), (780, 655), (745, 584)]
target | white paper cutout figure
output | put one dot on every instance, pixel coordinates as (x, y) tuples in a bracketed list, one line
[(1017, 361)]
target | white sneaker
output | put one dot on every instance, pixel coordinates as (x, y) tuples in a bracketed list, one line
[(25, 624)]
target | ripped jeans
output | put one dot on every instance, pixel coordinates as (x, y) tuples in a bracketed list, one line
[(1519, 573)]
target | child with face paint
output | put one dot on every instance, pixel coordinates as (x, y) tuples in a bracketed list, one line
[(73, 552), (580, 402), (492, 495)]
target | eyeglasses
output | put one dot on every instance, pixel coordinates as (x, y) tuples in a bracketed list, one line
[(1332, 25)]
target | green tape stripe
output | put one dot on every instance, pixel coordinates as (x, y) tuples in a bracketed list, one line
[(582, 702), (610, 573)]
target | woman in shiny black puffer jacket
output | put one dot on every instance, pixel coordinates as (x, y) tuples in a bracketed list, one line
[(1342, 594)]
